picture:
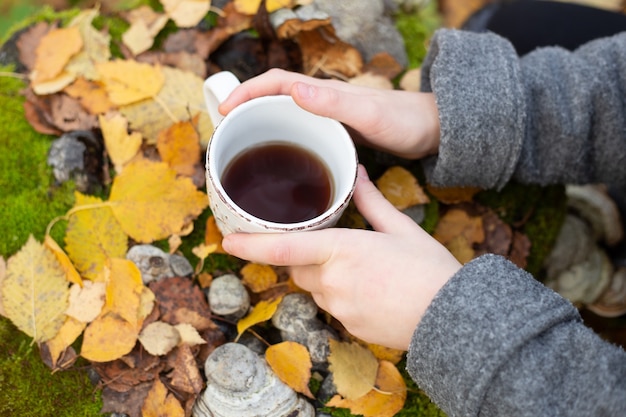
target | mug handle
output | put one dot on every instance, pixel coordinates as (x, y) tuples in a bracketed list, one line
[(216, 89)]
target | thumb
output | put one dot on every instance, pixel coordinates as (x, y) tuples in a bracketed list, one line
[(376, 209)]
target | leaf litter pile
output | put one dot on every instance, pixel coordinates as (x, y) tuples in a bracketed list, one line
[(148, 339)]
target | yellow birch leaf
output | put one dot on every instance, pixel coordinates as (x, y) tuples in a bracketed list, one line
[(401, 188), (54, 52), (291, 362), (124, 289), (120, 145), (263, 311), (3, 274), (35, 291), (86, 303), (189, 335), (250, 7), (151, 203), (461, 249), (202, 250), (186, 13), (129, 81), (71, 274), (93, 235), (160, 403), (354, 368), (180, 98), (107, 338), (145, 24), (146, 304), (258, 277), (384, 353), (457, 222), (67, 335), (385, 401), (179, 147)]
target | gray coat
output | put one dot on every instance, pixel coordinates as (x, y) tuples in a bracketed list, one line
[(494, 341)]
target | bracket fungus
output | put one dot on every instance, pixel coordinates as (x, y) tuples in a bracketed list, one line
[(240, 383)]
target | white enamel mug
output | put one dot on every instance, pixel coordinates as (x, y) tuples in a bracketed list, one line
[(267, 120)]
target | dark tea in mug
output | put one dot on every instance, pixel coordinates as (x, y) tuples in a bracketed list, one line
[(279, 182)]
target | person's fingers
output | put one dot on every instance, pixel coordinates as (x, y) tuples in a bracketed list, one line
[(377, 210), (282, 249)]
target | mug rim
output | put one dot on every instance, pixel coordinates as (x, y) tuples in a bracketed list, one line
[(337, 206)]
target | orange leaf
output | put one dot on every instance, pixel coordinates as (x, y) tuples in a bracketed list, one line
[(291, 362), (179, 147), (159, 403), (385, 401), (124, 290), (400, 187), (92, 96), (54, 52), (151, 202), (213, 235), (107, 338), (258, 277)]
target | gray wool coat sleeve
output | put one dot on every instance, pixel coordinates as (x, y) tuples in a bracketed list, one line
[(494, 341)]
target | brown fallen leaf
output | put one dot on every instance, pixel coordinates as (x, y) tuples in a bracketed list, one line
[(323, 51), (67, 335), (185, 375), (401, 188), (90, 94), (29, 40), (127, 402), (160, 403), (54, 52)]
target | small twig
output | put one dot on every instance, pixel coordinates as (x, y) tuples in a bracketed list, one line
[(75, 210), (166, 109), (14, 75)]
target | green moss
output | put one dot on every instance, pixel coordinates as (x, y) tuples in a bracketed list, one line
[(416, 29), (44, 14), (417, 403), (29, 389), (28, 197), (540, 212)]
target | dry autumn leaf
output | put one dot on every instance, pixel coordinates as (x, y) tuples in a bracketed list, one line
[(145, 24), (159, 338), (121, 146), (262, 311), (291, 362), (354, 368), (93, 235), (385, 401), (212, 235), (160, 403), (54, 52), (180, 98), (129, 81), (3, 274), (85, 304), (124, 290), (107, 338), (258, 277), (189, 336), (91, 95), (186, 376), (96, 46), (71, 274), (401, 188), (67, 335), (34, 291), (186, 13), (179, 147), (151, 203)]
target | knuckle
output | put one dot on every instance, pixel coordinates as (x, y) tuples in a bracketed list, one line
[(280, 254)]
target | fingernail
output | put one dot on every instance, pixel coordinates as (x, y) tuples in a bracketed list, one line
[(226, 244), (306, 91)]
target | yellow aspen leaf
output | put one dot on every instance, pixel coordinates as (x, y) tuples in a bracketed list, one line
[(93, 235), (212, 235), (180, 98), (107, 338), (401, 188), (354, 368), (160, 403), (3, 274), (262, 311), (205, 279), (179, 147), (186, 13), (291, 362), (385, 401), (35, 291), (129, 81), (120, 145), (91, 95), (258, 277), (384, 353), (71, 274), (54, 52), (124, 289), (67, 335), (250, 7), (461, 249), (86, 303), (96, 45), (202, 250), (150, 202), (452, 195)]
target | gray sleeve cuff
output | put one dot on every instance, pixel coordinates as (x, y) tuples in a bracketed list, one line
[(497, 342), (477, 84)]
